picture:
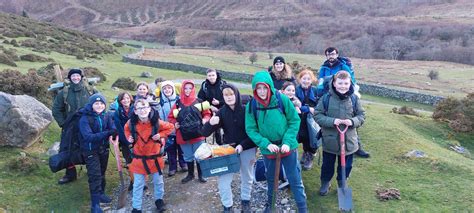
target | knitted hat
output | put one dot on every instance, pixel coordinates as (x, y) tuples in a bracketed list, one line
[(278, 59), (74, 71), (97, 97)]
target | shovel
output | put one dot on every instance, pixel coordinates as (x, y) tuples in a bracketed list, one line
[(122, 199), (344, 193), (276, 180)]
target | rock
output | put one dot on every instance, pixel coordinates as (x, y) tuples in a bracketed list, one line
[(54, 149), (415, 154), (146, 75), (115, 89), (23, 119)]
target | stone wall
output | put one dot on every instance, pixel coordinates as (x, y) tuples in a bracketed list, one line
[(376, 90)]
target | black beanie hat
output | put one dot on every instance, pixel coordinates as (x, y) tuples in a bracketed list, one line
[(278, 59), (74, 71)]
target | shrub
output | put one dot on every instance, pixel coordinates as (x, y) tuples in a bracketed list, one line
[(119, 44), (433, 75), (32, 84), (48, 72), (6, 42), (94, 72), (14, 43), (458, 113), (253, 58), (35, 58), (23, 164), (125, 83), (404, 110), (4, 59), (11, 53)]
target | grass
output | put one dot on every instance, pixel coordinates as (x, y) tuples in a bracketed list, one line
[(442, 182)]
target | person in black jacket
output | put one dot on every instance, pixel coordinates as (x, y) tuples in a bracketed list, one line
[(211, 91), (231, 118)]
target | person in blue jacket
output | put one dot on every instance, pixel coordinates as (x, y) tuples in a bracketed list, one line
[(95, 129)]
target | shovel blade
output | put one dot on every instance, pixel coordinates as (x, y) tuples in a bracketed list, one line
[(344, 196), (122, 199)]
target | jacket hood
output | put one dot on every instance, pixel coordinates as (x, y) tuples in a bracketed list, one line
[(163, 96), (188, 100), (238, 102), (263, 77)]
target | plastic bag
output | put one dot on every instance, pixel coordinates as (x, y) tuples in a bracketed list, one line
[(204, 151)]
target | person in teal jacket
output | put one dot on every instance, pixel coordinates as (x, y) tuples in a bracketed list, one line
[(271, 121)]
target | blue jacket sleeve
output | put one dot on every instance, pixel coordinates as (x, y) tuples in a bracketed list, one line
[(88, 134)]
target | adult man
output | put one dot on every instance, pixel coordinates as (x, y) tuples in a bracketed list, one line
[(331, 66), (71, 98)]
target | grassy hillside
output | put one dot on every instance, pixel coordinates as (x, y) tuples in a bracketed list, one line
[(454, 79)]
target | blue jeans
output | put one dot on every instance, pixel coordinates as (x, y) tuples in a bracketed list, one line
[(292, 169), (327, 169), (139, 183), (189, 149)]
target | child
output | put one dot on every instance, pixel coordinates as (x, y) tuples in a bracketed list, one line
[(168, 98), (231, 117), (189, 145), (145, 131), (308, 95), (288, 89), (274, 130), (121, 116), (211, 91), (339, 111), (95, 129)]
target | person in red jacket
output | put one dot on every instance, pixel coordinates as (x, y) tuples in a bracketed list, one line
[(145, 131), (189, 145)]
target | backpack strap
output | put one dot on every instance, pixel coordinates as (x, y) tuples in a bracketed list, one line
[(254, 109)]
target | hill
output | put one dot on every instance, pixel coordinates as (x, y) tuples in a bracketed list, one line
[(402, 30)]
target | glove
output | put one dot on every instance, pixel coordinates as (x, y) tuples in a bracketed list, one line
[(113, 133)]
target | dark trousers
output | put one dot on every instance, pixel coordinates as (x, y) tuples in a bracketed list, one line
[(306, 145), (127, 154), (327, 169), (218, 137), (175, 154), (96, 164)]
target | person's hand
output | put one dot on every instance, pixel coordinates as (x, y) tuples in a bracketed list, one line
[(130, 139), (214, 109), (298, 110), (285, 148), (273, 148), (337, 121), (176, 125), (347, 122), (311, 110), (239, 149), (214, 120), (156, 137), (215, 102)]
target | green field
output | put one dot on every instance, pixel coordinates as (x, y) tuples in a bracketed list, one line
[(442, 182)]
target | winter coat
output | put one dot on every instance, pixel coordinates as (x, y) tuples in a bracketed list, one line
[(95, 135), (166, 104), (120, 119), (232, 121), (308, 98), (339, 108), (212, 91), (77, 97), (279, 82), (327, 70), (187, 101), (273, 125), (146, 146)]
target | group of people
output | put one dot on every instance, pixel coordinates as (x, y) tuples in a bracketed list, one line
[(273, 121)]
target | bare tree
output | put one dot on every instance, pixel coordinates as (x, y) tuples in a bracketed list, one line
[(253, 58)]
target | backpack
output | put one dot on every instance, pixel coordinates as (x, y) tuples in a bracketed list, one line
[(347, 61), (69, 151), (254, 109), (190, 120)]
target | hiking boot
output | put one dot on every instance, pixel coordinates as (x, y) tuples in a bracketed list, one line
[(95, 205), (105, 199), (201, 179), (303, 158), (184, 168), (171, 173), (136, 211), (160, 205), (66, 179), (325, 186), (308, 164), (246, 208), (130, 186), (228, 209), (190, 175), (361, 153)]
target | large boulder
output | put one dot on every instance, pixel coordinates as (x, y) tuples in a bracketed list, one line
[(23, 119)]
